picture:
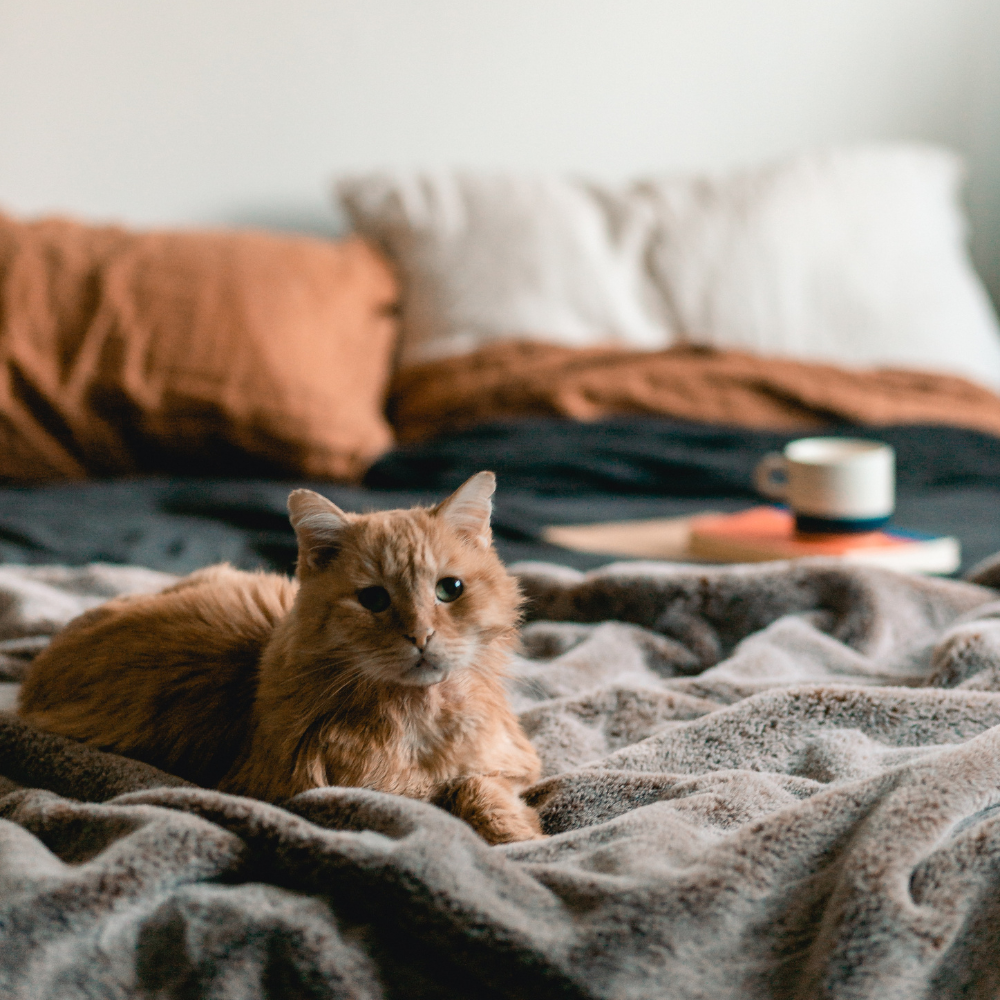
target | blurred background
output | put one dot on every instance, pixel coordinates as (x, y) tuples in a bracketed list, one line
[(240, 112)]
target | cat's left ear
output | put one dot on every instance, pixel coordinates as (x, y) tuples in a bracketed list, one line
[(468, 509), (319, 527)]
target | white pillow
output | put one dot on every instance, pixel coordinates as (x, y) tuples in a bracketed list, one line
[(492, 257), (853, 256)]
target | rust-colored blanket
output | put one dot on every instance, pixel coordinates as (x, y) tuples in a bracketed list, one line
[(725, 387)]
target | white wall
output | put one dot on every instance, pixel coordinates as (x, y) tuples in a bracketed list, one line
[(239, 111)]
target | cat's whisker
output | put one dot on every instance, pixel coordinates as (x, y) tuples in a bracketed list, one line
[(328, 666), (343, 678), (343, 681)]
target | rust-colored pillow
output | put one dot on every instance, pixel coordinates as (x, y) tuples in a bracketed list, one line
[(214, 353)]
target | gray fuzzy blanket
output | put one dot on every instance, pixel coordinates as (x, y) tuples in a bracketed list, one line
[(772, 781)]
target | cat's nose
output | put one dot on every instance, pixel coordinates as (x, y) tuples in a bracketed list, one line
[(421, 637)]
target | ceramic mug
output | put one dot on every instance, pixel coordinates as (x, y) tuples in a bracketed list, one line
[(833, 485)]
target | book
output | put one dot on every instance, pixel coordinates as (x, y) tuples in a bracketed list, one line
[(653, 538), (761, 534)]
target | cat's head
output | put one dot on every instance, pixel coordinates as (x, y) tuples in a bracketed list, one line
[(404, 597)]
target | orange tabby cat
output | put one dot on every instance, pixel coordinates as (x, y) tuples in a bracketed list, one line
[(380, 667)]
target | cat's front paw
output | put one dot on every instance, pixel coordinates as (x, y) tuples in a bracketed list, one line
[(491, 806), (510, 826)]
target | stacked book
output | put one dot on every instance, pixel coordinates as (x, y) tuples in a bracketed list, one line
[(759, 534)]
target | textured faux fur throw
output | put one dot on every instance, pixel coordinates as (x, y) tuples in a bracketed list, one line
[(771, 781)]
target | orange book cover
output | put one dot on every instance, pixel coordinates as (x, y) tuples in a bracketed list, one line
[(764, 533)]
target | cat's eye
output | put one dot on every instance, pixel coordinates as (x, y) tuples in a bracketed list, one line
[(374, 598), (448, 588)]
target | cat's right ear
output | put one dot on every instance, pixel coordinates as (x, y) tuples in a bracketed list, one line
[(319, 527), (468, 509)]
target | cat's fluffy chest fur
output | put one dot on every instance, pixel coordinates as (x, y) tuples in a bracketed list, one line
[(414, 738), (381, 668)]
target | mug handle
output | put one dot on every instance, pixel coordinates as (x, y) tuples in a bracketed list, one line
[(770, 477)]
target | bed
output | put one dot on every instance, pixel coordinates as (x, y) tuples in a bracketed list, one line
[(777, 780)]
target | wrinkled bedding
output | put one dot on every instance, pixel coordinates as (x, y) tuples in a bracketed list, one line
[(690, 383), (769, 781), (550, 472)]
